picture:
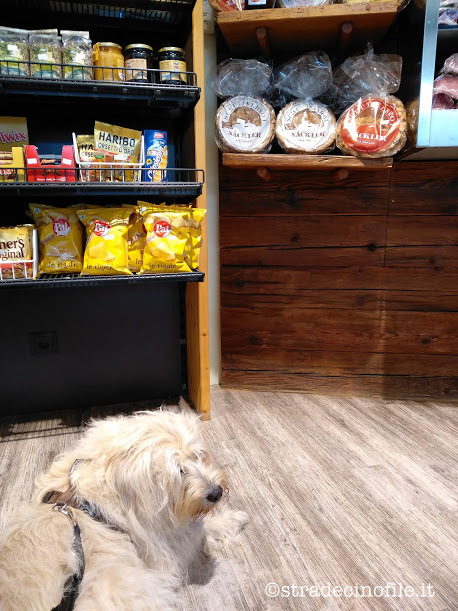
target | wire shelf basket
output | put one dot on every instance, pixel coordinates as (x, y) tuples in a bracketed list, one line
[(89, 73)]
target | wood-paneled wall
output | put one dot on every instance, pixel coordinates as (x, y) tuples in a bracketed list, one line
[(341, 286)]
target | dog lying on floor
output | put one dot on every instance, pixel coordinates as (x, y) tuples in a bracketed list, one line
[(116, 522)]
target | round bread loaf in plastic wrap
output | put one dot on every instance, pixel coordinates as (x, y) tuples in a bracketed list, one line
[(306, 126), (374, 126), (245, 124)]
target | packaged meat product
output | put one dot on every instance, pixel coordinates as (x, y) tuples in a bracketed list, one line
[(61, 239), (245, 124), (446, 84), (448, 17), (373, 127), (305, 126), (442, 101), (106, 252), (451, 65)]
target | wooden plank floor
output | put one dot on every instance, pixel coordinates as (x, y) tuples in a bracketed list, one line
[(340, 490)]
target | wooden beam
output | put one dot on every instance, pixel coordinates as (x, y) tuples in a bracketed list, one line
[(197, 295)]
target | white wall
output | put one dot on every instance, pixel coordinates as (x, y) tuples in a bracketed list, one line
[(212, 204)]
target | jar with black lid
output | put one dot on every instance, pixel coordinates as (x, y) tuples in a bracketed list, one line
[(172, 62), (138, 58)]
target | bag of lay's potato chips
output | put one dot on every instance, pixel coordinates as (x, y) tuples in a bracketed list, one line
[(136, 239), (61, 239), (194, 243), (194, 240), (167, 234), (106, 245)]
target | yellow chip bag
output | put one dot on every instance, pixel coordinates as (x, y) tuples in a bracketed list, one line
[(106, 245), (167, 234), (194, 243), (61, 239), (136, 239)]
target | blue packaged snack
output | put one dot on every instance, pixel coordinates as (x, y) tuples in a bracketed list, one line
[(155, 155)]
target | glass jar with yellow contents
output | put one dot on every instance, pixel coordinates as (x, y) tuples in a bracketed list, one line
[(172, 63), (108, 58)]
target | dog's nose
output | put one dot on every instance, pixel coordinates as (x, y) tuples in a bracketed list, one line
[(215, 495)]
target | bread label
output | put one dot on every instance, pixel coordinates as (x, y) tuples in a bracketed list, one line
[(306, 125), (244, 123), (370, 125)]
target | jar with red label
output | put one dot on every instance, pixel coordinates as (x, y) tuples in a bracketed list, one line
[(172, 64), (139, 59)]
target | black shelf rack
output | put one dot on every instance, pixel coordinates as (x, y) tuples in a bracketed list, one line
[(184, 186), (167, 14), (47, 281), (180, 95)]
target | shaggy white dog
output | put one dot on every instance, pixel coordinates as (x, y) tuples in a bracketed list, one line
[(147, 491)]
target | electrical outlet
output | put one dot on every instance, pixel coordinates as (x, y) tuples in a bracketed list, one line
[(43, 343)]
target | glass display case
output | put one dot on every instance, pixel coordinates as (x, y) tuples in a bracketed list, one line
[(438, 127)]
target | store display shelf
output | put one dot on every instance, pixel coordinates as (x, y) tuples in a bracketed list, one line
[(186, 187), (283, 30), (75, 281), (112, 12), (264, 163), (160, 96)]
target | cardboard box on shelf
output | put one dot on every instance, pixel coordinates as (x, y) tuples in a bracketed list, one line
[(13, 132), (12, 165), (65, 171)]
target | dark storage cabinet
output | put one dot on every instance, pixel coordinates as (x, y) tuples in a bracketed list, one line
[(70, 342)]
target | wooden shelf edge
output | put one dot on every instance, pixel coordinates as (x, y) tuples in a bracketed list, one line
[(275, 15), (303, 162)]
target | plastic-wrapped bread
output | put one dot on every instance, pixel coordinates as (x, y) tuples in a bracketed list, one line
[(245, 124), (373, 127), (305, 126)]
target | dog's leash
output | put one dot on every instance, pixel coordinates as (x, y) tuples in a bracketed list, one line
[(61, 502)]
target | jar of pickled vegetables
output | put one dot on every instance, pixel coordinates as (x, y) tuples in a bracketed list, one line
[(108, 58)]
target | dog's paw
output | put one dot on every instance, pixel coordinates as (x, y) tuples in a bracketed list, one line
[(220, 529), (239, 520)]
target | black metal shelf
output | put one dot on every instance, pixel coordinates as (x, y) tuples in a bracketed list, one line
[(183, 185), (168, 98), (187, 191), (74, 281), (111, 13)]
